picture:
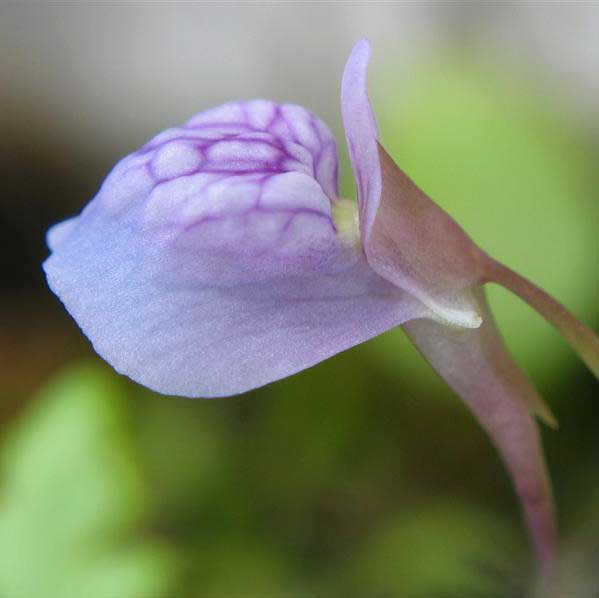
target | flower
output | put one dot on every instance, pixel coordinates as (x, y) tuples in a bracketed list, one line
[(218, 258)]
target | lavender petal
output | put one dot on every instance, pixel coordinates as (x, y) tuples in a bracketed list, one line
[(208, 263)]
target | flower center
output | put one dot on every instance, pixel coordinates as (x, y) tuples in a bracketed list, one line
[(345, 217)]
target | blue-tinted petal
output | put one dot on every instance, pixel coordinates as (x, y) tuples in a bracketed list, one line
[(153, 318), (209, 264)]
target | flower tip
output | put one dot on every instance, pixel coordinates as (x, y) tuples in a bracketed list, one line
[(59, 232), (358, 60), (363, 47), (549, 419), (543, 412)]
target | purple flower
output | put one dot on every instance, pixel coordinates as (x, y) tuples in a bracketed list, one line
[(218, 258)]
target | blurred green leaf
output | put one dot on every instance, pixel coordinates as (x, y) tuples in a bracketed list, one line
[(185, 447), (307, 462), (305, 436), (242, 567), (438, 550), (72, 498)]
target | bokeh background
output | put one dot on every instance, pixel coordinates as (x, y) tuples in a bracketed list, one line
[(363, 477)]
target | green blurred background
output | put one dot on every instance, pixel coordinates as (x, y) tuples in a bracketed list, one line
[(363, 477)]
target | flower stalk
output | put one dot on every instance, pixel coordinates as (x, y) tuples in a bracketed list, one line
[(579, 337)]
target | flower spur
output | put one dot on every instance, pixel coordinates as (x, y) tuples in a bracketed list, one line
[(219, 258)]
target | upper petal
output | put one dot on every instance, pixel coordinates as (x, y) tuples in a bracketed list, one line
[(208, 263), (407, 239), (361, 133)]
